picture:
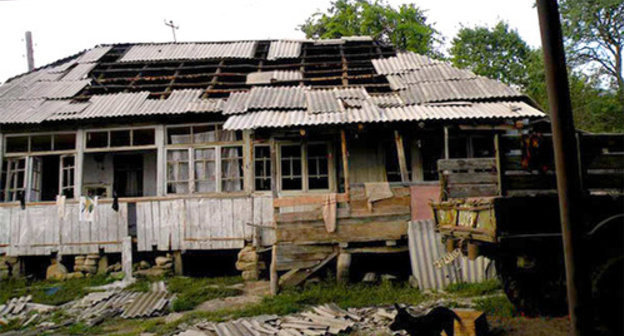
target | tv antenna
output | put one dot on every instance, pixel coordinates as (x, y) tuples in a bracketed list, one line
[(173, 28)]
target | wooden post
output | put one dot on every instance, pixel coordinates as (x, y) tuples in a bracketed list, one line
[(161, 160), (79, 163), (345, 161), (398, 139), (126, 257), (499, 166), (178, 268), (274, 277), (343, 264), (446, 142), (418, 173), (248, 156)]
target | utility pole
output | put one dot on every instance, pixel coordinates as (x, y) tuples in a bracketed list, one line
[(30, 58), (567, 168), (173, 28)]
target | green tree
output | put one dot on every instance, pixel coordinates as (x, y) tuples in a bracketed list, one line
[(594, 34), (405, 27), (497, 52)]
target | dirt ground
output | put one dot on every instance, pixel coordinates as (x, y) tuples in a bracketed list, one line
[(522, 326)]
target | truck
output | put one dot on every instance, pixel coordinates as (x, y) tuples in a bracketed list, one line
[(506, 208)]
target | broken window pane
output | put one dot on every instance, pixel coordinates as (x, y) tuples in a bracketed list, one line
[(262, 167), (179, 135), (16, 178), (143, 137), (97, 139), (64, 141), (17, 144), (232, 168), (40, 143), (205, 170), (120, 138), (318, 177), (290, 159)]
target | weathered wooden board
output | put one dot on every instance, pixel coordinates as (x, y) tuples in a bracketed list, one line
[(347, 230), (5, 229), (43, 229), (200, 223)]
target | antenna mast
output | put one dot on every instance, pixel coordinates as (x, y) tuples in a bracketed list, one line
[(173, 28)]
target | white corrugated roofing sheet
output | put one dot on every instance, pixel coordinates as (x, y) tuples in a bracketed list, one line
[(268, 77), (468, 89), (282, 97), (80, 71), (284, 49), (93, 55), (373, 114), (59, 89), (189, 51), (402, 62), (114, 105)]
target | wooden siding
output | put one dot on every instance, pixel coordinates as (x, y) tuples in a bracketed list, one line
[(43, 229), (200, 223)]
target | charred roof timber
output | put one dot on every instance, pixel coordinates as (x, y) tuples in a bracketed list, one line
[(303, 80)]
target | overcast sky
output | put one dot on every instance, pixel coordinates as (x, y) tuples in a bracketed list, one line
[(61, 27)]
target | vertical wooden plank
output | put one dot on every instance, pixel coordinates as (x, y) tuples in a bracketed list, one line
[(141, 214), (274, 167), (499, 165), (345, 160), (227, 220), (79, 163), (241, 214), (248, 154), (398, 139), (161, 160), (446, 142), (156, 220), (331, 153)]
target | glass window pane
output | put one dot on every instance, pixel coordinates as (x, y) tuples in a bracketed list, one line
[(179, 135), (204, 134), (205, 170), (232, 169)]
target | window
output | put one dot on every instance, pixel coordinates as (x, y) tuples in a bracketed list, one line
[(232, 168), (293, 174), (318, 176), (121, 138), (205, 170), (204, 158), (290, 160), (178, 177), (67, 176), (15, 179), (40, 142), (262, 167)]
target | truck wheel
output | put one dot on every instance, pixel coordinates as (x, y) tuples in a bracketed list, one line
[(607, 277), (534, 285)]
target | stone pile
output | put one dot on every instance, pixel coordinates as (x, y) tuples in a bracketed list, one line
[(86, 264), (249, 264), (163, 265)]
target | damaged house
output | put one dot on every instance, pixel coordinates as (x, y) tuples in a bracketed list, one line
[(313, 149)]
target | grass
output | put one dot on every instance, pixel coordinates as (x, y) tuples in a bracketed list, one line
[(486, 287), (192, 291), (49, 292), (496, 306)]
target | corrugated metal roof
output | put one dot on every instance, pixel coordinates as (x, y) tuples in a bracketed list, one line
[(93, 55), (114, 105), (370, 113), (146, 304), (283, 97), (59, 89), (80, 71), (402, 62), (322, 101), (207, 105), (68, 111), (189, 51), (268, 77), (387, 100), (434, 73), (284, 49), (178, 102), (471, 89)]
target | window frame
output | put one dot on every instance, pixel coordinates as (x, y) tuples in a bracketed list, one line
[(305, 176), (217, 146), (30, 152), (110, 148)]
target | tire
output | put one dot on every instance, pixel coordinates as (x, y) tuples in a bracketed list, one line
[(536, 290)]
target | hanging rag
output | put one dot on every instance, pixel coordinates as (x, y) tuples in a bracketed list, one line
[(329, 212), (377, 191)]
